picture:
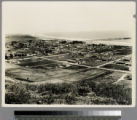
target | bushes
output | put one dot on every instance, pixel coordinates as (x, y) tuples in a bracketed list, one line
[(83, 90), (70, 98), (56, 88), (102, 93), (48, 99), (104, 101), (109, 91), (17, 95), (117, 92)]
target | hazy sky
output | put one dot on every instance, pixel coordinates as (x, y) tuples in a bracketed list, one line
[(42, 17)]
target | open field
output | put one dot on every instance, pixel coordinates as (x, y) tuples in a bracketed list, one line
[(55, 74), (93, 90), (121, 64), (114, 66), (62, 85)]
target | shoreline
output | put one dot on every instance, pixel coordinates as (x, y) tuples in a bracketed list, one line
[(112, 41)]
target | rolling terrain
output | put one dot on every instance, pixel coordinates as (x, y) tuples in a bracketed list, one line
[(60, 71)]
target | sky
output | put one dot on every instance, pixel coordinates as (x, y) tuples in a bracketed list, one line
[(46, 16)]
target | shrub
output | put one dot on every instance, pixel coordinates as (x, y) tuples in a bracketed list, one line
[(107, 90), (70, 99), (56, 88), (18, 94), (117, 92), (83, 90), (104, 100), (49, 99)]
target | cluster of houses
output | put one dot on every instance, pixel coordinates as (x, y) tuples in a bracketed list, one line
[(16, 54), (79, 51)]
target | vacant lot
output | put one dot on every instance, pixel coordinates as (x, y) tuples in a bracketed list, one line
[(117, 67), (42, 81), (49, 81), (45, 81), (96, 89), (52, 73)]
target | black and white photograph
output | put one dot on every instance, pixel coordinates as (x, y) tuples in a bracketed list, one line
[(68, 54)]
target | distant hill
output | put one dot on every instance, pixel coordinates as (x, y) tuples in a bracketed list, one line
[(10, 38)]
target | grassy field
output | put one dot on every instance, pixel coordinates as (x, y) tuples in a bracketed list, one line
[(117, 67), (35, 83), (86, 91), (52, 75)]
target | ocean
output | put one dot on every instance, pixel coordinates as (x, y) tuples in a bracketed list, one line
[(107, 37)]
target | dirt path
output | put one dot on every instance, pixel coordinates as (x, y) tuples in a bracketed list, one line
[(69, 63), (112, 61), (40, 56), (97, 67), (121, 78)]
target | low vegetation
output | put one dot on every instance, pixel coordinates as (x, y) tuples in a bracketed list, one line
[(117, 67), (68, 93), (17, 94)]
